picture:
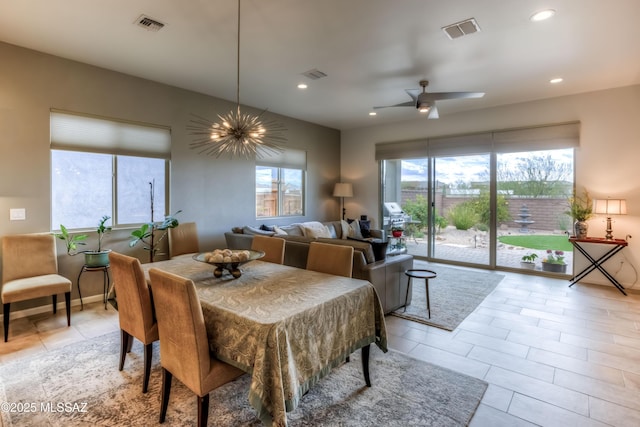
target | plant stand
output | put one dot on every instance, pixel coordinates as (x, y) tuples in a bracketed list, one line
[(105, 282)]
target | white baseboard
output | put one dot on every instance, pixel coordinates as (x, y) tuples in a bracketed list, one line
[(47, 308)]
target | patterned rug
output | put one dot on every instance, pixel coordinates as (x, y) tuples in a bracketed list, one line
[(454, 294), (80, 385)]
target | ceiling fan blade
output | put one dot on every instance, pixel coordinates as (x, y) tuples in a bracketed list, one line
[(404, 104), (414, 93), (436, 96)]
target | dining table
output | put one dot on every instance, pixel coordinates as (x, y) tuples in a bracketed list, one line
[(286, 327)]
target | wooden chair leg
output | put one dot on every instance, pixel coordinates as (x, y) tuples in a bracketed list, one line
[(55, 303), (6, 309), (148, 351), (67, 302), (203, 410), (125, 339), (164, 396)]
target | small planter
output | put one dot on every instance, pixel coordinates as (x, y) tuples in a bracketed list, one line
[(528, 265), (97, 258), (554, 268), (396, 233)]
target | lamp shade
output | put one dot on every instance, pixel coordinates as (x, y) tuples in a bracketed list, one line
[(610, 206), (343, 189)]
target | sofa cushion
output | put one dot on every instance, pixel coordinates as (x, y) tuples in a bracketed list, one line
[(364, 247), (279, 231)]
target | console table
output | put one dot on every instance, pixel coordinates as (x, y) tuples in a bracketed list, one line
[(616, 245)]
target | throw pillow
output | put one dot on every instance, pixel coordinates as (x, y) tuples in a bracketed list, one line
[(345, 229), (254, 230), (279, 231), (365, 228), (315, 229), (354, 229)]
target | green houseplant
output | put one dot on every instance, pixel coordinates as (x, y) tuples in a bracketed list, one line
[(580, 209), (92, 258), (529, 261), (146, 234)]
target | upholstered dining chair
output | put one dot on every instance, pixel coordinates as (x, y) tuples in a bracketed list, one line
[(331, 259), (183, 240), (135, 309), (273, 248), (29, 271), (184, 347)]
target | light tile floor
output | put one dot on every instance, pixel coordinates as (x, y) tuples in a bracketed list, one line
[(552, 355)]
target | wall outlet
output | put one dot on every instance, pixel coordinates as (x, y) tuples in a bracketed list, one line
[(19, 214)]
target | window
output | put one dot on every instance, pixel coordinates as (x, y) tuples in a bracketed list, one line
[(280, 184), (103, 167)]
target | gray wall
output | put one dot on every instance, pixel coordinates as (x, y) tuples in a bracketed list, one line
[(215, 193)]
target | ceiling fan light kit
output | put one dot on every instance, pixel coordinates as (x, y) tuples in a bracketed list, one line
[(425, 101)]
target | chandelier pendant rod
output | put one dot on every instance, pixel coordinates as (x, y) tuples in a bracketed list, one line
[(238, 63)]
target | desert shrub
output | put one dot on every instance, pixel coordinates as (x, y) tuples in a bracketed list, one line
[(463, 215)]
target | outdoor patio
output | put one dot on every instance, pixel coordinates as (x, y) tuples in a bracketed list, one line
[(473, 247)]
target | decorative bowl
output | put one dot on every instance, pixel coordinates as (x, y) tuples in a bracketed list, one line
[(228, 259)]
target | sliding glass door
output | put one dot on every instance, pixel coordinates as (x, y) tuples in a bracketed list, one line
[(462, 214), (484, 199)]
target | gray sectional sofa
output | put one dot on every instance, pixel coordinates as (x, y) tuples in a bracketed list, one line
[(385, 273)]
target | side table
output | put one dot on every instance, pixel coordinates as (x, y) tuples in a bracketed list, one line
[(419, 274), (616, 246), (105, 282)]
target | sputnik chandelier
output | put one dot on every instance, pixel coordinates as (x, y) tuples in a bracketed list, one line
[(237, 134)]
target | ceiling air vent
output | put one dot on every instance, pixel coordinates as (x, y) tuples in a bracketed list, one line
[(149, 23), (462, 28), (314, 74)]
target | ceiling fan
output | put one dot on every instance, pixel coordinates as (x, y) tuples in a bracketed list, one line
[(425, 101)]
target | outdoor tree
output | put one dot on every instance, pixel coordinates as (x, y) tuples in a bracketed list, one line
[(534, 176)]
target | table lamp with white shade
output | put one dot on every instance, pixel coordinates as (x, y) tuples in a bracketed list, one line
[(610, 207)]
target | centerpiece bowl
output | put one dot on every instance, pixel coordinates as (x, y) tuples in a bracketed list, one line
[(228, 259)]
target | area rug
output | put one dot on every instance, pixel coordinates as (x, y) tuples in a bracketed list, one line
[(80, 385), (454, 294)]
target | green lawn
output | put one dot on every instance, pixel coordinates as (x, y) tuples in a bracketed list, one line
[(560, 243)]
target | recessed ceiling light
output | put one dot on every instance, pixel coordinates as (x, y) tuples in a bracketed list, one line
[(373, 113), (302, 86), (542, 15), (556, 80)]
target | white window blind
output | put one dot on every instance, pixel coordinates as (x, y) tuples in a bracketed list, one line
[(287, 159), (76, 132), (549, 137)]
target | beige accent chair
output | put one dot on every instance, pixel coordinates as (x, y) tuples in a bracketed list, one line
[(29, 271), (273, 248), (331, 259), (183, 240), (135, 309), (184, 347)]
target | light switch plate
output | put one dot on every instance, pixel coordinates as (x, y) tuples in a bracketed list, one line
[(19, 214)]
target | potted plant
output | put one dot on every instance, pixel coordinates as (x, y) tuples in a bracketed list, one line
[(554, 262), (93, 258), (580, 209), (396, 231), (529, 261), (147, 232)]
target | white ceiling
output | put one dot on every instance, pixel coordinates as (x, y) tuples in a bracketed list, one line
[(371, 50)]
